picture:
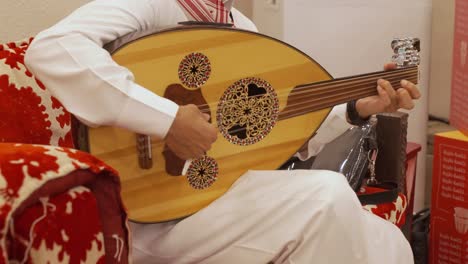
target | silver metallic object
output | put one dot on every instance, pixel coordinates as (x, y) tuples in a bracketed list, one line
[(406, 51)]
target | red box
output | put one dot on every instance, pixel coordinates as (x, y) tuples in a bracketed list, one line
[(459, 98), (449, 209)]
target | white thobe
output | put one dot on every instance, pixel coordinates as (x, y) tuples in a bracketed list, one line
[(277, 216)]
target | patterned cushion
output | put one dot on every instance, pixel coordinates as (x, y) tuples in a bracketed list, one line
[(55, 237), (67, 226), (28, 112), (395, 212), (28, 173)]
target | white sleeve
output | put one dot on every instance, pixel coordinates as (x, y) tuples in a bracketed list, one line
[(334, 125), (243, 22), (70, 60)]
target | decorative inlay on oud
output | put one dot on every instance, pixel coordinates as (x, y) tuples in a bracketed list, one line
[(202, 172), (247, 111), (194, 70)]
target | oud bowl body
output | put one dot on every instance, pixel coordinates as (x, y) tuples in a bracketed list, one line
[(154, 195)]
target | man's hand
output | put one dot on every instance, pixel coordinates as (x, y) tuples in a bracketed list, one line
[(388, 100), (190, 135)]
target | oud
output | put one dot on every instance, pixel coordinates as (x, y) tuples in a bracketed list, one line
[(266, 99)]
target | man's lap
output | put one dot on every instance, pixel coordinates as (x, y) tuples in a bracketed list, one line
[(262, 216)]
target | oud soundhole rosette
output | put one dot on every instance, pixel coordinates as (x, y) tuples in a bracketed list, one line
[(247, 111), (202, 172), (194, 70)]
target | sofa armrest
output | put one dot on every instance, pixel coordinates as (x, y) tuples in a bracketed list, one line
[(31, 175)]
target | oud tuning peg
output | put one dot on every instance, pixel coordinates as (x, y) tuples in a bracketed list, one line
[(406, 51)]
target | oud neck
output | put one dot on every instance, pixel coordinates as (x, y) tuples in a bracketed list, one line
[(320, 95)]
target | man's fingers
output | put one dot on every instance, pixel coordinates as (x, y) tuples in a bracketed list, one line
[(199, 154), (405, 100), (384, 97), (196, 151), (206, 116), (390, 66), (411, 88), (387, 86), (190, 135)]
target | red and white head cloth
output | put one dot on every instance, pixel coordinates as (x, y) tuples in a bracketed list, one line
[(216, 11)]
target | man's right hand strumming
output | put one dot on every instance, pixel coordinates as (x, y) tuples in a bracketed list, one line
[(190, 135)]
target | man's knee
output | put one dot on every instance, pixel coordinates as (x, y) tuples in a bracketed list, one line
[(336, 188)]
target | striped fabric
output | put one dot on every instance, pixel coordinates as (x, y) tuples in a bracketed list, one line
[(216, 11)]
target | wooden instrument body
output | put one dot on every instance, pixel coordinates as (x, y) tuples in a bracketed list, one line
[(153, 195)]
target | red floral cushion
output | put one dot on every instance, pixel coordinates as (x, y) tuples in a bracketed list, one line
[(56, 204), (65, 229), (28, 112), (394, 212), (82, 221)]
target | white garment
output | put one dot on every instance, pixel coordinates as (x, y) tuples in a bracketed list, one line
[(300, 217)]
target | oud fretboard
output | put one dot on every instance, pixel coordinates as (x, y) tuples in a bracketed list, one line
[(313, 97)]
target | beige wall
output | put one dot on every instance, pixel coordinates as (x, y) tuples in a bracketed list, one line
[(245, 6), (24, 18), (441, 57), (266, 14)]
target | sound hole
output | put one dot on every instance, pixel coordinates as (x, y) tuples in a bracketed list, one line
[(247, 111), (202, 173), (194, 70)]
